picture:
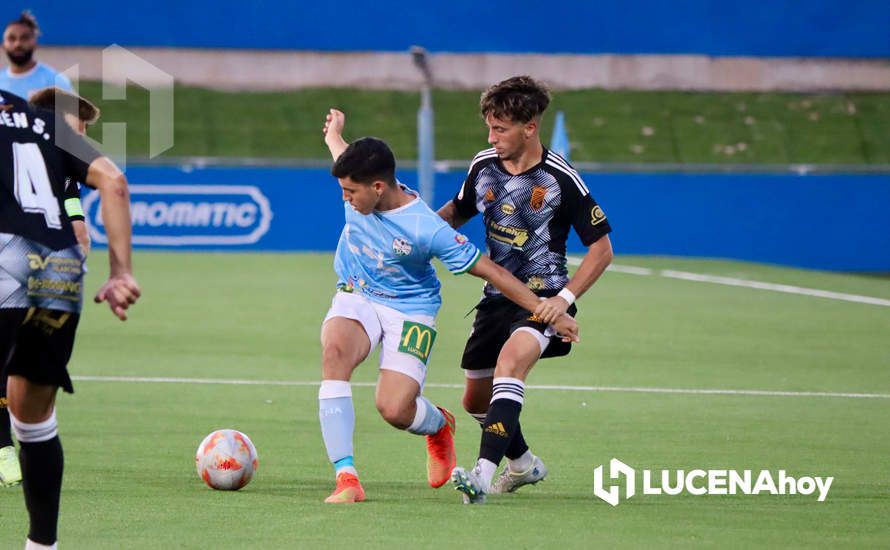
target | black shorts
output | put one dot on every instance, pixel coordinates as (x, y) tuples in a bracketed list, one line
[(496, 319), (36, 344)]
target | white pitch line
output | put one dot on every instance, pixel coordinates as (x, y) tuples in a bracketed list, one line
[(745, 283), (687, 391), (788, 289)]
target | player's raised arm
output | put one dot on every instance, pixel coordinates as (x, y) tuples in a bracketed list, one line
[(333, 133), (121, 290), (515, 290)]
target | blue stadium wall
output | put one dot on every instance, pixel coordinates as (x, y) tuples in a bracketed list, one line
[(832, 222), (830, 28)]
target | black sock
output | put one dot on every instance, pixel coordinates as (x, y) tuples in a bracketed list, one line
[(517, 446), (5, 429), (42, 465), (501, 424)]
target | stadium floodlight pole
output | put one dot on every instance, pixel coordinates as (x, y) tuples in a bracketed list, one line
[(425, 126)]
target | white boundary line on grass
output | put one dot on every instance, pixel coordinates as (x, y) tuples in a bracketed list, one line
[(732, 281), (688, 391)]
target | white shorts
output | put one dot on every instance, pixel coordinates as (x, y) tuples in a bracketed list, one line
[(406, 340)]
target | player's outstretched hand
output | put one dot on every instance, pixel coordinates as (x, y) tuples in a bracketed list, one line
[(120, 291), (334, 123), (551, 308), (567, 328)]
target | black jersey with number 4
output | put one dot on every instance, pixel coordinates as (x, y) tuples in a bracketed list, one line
[(36, 157), (527, 216)]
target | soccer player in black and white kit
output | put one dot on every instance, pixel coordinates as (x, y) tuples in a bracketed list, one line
[(529, 198), (41, 277)]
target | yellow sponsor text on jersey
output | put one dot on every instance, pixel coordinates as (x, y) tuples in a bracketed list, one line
[(513, 236)]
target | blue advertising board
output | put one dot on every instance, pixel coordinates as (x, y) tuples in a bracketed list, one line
[(834, 222), (830, 28)]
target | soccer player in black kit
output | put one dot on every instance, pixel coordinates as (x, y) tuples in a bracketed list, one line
[(529, 198), (41, 277)]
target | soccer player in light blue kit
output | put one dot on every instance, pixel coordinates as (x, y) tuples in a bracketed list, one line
[(388, 294), (24, 74)]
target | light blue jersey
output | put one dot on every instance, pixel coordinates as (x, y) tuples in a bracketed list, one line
[(386, 256), (41, 76)]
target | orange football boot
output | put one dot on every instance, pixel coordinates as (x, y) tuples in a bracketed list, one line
[(440, 448), (348, 490)]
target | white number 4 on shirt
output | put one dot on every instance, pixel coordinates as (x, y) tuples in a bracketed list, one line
[(33, 189)]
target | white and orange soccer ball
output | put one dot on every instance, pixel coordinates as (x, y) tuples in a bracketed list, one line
[(226, 460)]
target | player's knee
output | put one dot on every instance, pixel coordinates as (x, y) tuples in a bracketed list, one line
[(509, 366), (394, 413), (336, 359)]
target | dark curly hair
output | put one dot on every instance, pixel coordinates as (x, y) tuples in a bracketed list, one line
[(519, 99)]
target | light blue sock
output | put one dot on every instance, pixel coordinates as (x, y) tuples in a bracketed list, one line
[(428, 419), (337, 416)]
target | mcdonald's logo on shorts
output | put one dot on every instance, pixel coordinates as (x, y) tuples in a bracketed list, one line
[(417, 340)]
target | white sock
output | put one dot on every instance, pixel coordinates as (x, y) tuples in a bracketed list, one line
[(521, 464), (485, 470), (428, 419)]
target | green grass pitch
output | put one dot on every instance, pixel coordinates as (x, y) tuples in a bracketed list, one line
[(130, 480)]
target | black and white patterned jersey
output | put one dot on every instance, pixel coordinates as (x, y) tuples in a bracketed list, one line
[(36, 158), (527, 216)]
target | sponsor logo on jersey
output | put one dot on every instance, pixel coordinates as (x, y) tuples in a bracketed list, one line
[(513, 236), (187, 215), (536, 283), (37, 262), (417, 340), (401, 247), (507, 209), (489, 195), (56, 288), (597, 215), (460, 239), (537, 200)]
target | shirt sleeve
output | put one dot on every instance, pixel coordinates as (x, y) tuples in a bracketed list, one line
[(457, 253), (465, 200), (587, 217)]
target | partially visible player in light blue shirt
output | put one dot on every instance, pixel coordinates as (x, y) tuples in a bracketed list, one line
[(388, 295), (24, 74)]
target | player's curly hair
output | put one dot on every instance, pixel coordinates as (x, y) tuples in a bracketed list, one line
[(366, 160), (27, 19), (519, 99), (57, 99)]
